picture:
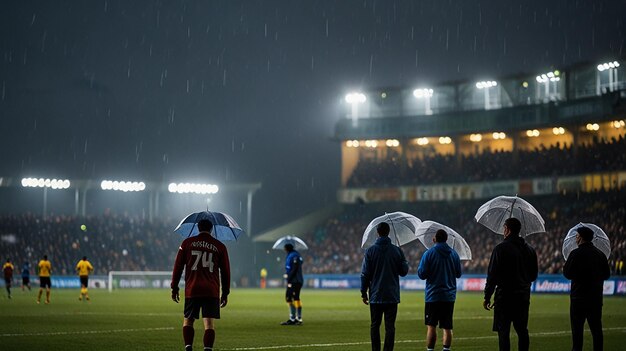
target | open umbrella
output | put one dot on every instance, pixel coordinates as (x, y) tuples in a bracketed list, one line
[(426, 232), (224, 226), (494, 212), (600, 240), (298, 244), (402, 225)]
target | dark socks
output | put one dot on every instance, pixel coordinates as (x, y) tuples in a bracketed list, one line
[(188, 335), (209, 339)]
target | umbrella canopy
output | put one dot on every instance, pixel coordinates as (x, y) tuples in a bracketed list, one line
[(600, 240), (426, 232), (402, 225), (494, 212), (224, 226), (298, 244)]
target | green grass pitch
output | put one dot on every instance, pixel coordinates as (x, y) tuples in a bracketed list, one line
[(333, 320)]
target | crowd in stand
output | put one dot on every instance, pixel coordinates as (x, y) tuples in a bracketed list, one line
[(127, 243), (600, 155), (335, 245), (111, 242)]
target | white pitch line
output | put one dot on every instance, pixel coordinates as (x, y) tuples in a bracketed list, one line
[(540, 334), (88, 332)]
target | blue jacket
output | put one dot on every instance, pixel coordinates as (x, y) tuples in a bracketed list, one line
[(440, 266), (383, 265), (293, 268)]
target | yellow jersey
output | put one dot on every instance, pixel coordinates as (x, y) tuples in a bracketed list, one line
[(44, 268), (84, 267)]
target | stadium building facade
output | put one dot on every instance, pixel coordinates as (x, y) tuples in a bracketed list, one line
[(392, 129)]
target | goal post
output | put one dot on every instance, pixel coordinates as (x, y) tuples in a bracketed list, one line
[(139, 280)]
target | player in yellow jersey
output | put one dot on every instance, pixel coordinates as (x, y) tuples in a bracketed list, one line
[(7, 269), (45, 268), (84, 268)]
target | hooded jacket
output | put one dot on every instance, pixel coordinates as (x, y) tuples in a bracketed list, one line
[(383, 265), (440, 266)]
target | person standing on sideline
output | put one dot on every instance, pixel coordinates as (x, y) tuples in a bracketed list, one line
[(45, 268), (512, 269), (587, 268), (7, 270), (84, 267), (383, 265), (204, 260), (293, 275), (440, 266), (26, 276)]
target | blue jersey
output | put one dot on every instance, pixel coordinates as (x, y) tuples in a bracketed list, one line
[(293, 268), (26, 270)]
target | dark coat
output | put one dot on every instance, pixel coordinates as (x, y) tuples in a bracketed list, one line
[(383, 265), (587, 268)]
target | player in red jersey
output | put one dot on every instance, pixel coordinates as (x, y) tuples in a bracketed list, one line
[(205, 261)]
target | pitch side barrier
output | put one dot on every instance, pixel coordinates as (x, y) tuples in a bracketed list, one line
[(545, 283)]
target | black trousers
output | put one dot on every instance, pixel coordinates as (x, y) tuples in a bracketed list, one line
[(579, 311), (377, 312), (512, 311)]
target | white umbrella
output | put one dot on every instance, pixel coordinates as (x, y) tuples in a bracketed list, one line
[(402, 229), (494, 212), (600, 240), (427, 230), (298, 244)]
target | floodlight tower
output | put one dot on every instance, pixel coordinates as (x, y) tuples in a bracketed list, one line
[(355, 99), (45, 183), (425, 94), (611, 69), (485, 86)]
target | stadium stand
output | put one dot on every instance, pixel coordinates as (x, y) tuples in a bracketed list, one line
[(600, 155), (111, 242), (334, 245)]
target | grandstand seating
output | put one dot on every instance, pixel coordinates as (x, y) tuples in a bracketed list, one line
[(601, 155)]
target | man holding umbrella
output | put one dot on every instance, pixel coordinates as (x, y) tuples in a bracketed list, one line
[(293, 275), (383, 265), (205, 262), (512, 269), (440, 266), (587, 267)]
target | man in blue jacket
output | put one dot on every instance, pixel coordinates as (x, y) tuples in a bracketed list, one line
[(440, 266), (293, 275), (383, 265)]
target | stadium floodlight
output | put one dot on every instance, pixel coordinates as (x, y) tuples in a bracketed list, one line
[(192, 188), (421, 141), (476, 138), (532, 133), (608, 65), (124, 186), (558, 130), (444, 140), (392, 143), (423, 93), (486, 84), (618, 124), (593, 126), (45, 183), (498, 135), (355, 98)]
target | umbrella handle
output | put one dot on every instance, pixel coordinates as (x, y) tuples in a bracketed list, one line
[(394, 229)]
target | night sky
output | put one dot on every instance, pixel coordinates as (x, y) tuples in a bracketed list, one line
[(246, 91)]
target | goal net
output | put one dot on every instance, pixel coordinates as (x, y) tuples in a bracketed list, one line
[(139, 280)]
